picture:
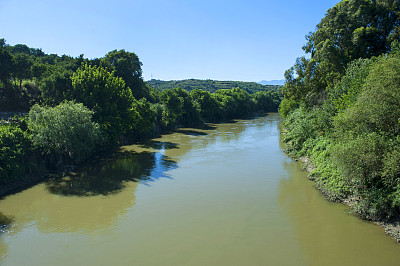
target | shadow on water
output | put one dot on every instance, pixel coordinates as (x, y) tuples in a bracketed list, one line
[(247, 117), (208, 127), (159, 145), (191, 132), (5, 223), (108, 176)]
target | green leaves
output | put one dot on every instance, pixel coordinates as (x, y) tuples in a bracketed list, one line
[(179, 108), (16, 152), (128, 67), (107, 96), (350, 30), (65, 132), (377, 108), (362, 158)]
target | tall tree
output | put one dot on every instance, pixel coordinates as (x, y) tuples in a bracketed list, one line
[(127, 66), (22, 64), (352, 29), (107, 96), (179, 108), (208, 106), (5, 63)]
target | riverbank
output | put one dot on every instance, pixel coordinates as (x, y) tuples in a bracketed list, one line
[(391, 228), (30, 165), (267, 208)]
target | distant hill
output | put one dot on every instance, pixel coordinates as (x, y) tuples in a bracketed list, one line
[(210, 85), (280, 82)]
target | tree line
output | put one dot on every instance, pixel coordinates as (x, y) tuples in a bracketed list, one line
[(210, 85), (342, 106), (77, 106)]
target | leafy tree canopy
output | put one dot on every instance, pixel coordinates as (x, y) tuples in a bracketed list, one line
[(127, 66), (352, 29), (65, 132), (107, 96)]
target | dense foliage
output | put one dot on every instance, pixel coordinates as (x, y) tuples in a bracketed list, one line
[(107, 96), (210, 85), (343, 108), (17, 157), (65, 133), (350, 30), (77, 106)]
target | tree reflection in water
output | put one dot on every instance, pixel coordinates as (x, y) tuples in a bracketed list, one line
[(108, 176), (5, 223)]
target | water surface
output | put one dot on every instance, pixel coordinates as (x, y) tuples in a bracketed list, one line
[(226, 195)]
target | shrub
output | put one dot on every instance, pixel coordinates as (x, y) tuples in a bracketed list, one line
[(378, 106), (391, 166), (303, 125), (16, 152), (287, 106), (65, 132), (359, 158), (326, 175), (346, 91)]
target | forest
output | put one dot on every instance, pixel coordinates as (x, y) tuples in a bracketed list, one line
[(69, 109), (210, 85), (342, 106)]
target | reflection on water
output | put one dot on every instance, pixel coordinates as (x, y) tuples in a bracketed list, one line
[(221, 195), (110, 175), (86, 201), (158, 145), (5, 223), (96, 197)]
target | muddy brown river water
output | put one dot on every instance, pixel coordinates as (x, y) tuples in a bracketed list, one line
[(226, 195)]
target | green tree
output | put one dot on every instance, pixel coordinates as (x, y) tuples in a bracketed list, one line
[(144, 117), (5, 63), (22, 64), (235, 102), (16, 154), (179, 108), (57, 86), (38, 70), (107, 96), (346, 92), (65, 133), (266, 101), (350, 30), (127, 66), (208, 106), (227, 102), (378, 106)]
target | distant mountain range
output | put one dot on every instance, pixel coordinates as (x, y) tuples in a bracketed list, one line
[(280, 82)]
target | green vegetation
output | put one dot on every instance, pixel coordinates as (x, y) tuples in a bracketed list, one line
[(78, 106), (107, 96), (17, 156), (342, 106), (210, 85), (65, 133)]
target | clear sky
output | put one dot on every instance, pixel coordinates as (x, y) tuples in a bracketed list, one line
[(247, 40)]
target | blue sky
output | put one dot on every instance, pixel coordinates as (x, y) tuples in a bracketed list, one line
[(175, 39)]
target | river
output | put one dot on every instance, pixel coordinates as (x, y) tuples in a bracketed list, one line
[(225, 195)]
